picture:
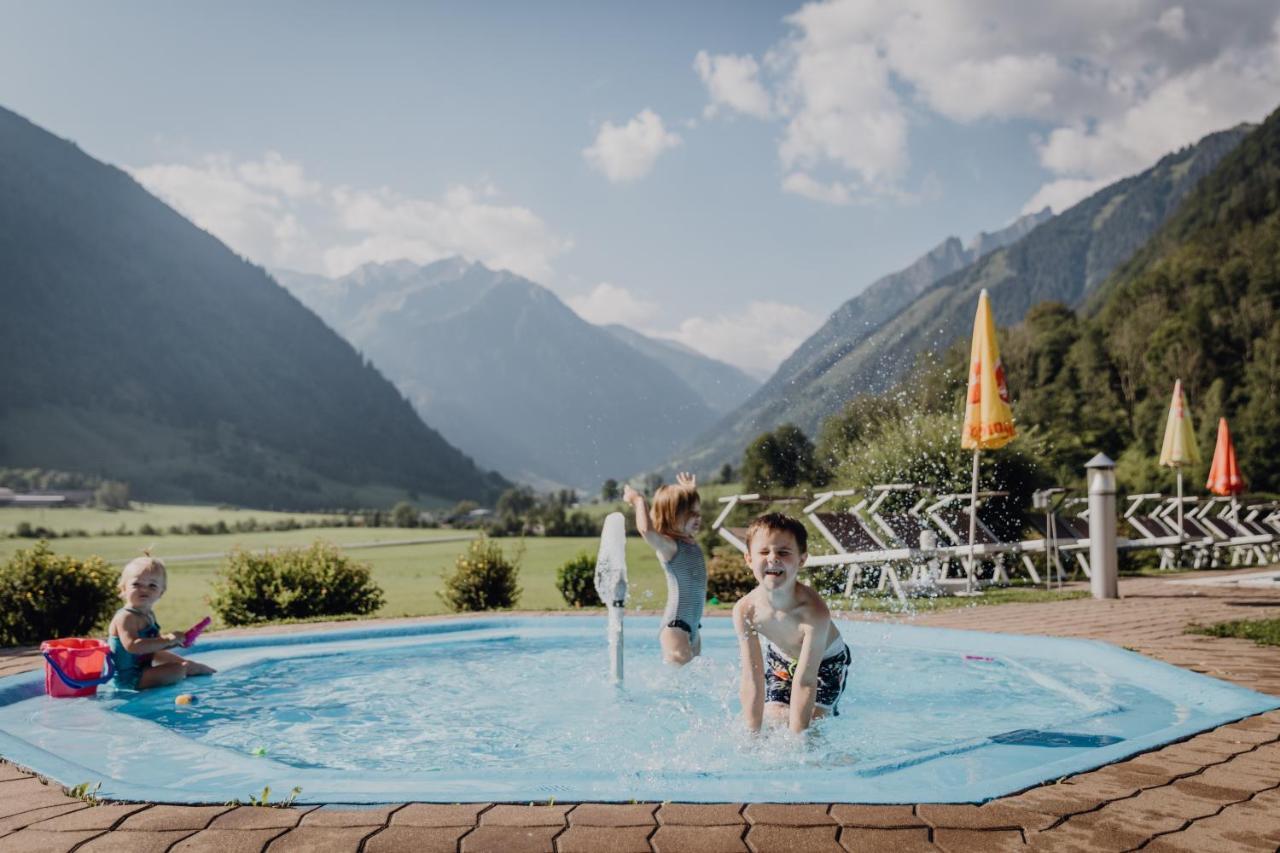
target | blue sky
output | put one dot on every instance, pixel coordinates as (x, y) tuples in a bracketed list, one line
[(724, 173)]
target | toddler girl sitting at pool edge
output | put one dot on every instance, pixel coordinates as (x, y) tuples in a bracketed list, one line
[(676, 518), (138, 648)]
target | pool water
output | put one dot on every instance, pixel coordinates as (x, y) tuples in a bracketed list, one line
[(520, 709)]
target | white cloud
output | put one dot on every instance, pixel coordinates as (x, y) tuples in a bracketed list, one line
[(269, 211), (1117, 84), (242, 204), (627, 152), (609, 303), (805, 185), (388, 226), (733, 82), (756, 338), (1063, 193)]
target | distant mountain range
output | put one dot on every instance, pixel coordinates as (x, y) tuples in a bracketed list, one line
[(140, 348), (871, 341), (514, 377)]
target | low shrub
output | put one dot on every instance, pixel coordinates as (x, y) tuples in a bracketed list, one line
[(46, 595), (576, 581), (484, 579), (728, 576), (294, 583)]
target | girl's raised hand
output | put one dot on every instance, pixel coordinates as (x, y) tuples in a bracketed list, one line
[(629, 494), (686, 480)]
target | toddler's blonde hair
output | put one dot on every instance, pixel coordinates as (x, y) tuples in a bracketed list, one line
[(141, 565), (670, 505)]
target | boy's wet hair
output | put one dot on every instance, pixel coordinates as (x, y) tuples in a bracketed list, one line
[(780, 522), (670, 504), (145, 563)]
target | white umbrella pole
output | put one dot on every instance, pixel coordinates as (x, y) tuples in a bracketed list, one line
[(973, 524), (1179, 562)]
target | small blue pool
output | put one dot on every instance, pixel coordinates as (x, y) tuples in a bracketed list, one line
[(520, 708)]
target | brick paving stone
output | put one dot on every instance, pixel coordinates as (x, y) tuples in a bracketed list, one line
[(228, 840), (505, 815), (849, 814), (24, 819), (604, 839), (701, 814), (698, 839), (8, 772), (173, 818), (1236, 734), (1198, 838), (1056, 800), (23, 795), (347, 816), (1230, 789), (510, 839), (419, 839), (613, 814), (434, 814), (42, 841), (995, 815), (776, 838), (869, 840), (320, 839), (978, 840), (258, 817), (1088, 832), (144, 841), (1236, 773), (789, 814), (97, 817)]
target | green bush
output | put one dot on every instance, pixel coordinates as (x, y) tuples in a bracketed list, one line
[(576, 581), (728, 576), (46, 596), (484, 579), (293, 583)]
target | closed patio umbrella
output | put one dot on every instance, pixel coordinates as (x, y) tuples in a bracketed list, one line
[(1179, 446), (988, 420), (1224, 473)]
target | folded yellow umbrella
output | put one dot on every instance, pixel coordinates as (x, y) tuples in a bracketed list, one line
[(988, 421), (1179, 446)]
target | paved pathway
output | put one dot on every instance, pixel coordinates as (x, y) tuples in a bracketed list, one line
[(1217, 791)]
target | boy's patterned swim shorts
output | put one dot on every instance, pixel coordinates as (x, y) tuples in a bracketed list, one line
[(779, 669)]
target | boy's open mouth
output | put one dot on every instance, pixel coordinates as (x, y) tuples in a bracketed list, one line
[(774, 571)]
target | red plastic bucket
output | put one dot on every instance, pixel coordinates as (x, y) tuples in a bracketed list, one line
[(75, 667)]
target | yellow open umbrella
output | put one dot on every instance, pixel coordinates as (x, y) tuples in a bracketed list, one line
[(988, 421), (1179, 446)]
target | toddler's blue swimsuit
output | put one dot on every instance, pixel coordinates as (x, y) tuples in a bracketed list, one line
[(686, 588), (129, 666)]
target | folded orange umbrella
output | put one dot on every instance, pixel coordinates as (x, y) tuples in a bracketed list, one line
[(1224, 473)]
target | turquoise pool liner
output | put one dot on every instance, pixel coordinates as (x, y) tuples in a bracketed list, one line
[(1094, 704)]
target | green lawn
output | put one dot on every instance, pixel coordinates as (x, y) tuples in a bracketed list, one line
[(410, 575), (159, 516), (1264, 632)]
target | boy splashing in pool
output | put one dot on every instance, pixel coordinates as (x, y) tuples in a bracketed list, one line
[(801, 674)]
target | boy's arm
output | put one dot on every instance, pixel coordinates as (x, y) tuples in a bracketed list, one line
[(127, 631), (751, 689), (665, 547), (804, 683)]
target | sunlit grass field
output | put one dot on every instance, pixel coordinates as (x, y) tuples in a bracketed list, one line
[(409, 574), (409, 564), (160, 516)]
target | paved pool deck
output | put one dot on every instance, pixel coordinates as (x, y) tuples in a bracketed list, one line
[(1217, 791)]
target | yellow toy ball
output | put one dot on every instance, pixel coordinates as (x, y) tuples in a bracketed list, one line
[(186, 699)]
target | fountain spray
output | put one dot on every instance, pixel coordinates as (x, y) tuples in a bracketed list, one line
[(611, 585)]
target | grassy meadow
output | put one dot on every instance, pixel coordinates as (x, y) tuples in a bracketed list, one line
[(408, 563)]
